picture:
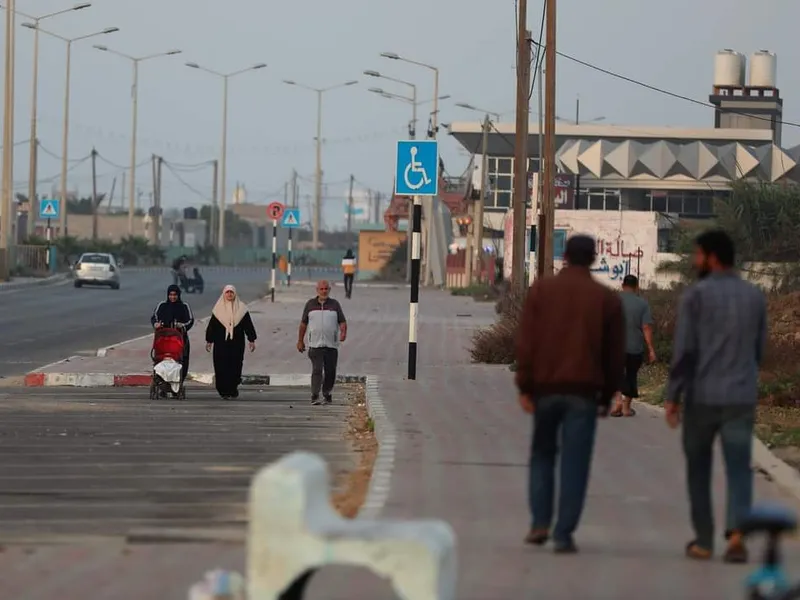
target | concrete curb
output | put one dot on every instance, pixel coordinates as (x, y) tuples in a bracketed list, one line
[(142, 379), (781, 473), (15, 285)]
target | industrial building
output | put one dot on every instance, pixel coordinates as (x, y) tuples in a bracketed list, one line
[(669, 172), (662, 169)]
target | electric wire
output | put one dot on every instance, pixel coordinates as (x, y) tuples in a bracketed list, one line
[(664, 91)]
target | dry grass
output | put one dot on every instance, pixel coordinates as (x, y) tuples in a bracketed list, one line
[(778, 426), (351, 488)]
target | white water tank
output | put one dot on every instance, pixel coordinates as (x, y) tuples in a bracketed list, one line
[(729, 69), (764, 69)]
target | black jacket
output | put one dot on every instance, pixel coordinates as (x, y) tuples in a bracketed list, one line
[(173, 312)]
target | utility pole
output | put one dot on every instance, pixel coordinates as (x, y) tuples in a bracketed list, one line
[(122, 194), (548, 185), (577, 191), (540, 222), (521, 150), (478, 221), (94, 195), (315, 220), (295, 192), (32, 175), (350, 206), (158, 201), (212, 217), (7, 202)]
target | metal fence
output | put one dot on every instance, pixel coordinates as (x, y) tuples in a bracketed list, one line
[(29, 260)]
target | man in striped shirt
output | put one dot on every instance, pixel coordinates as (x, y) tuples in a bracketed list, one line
[(718, 347)]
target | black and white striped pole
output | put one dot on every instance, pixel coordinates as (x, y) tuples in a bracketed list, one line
[(289, 260), (417, 176), (274, 256), (413, 307)]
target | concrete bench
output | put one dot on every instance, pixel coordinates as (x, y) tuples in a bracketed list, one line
[(294, 531)]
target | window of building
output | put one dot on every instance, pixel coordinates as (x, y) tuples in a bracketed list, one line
[(503, 199), (612, 202), (675, 203)]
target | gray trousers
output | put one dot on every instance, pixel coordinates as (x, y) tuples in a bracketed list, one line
[(323, 369)]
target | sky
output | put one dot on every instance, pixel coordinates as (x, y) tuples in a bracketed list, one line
[(320, 43)]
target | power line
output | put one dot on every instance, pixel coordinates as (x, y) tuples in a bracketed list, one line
[(56, 156), (661, 90), (537, 60), (186, 184)]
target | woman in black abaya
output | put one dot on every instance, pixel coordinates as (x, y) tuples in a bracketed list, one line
[(229, 326)]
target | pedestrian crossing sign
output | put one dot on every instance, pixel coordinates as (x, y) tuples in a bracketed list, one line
[(49, 209), (291, 218)]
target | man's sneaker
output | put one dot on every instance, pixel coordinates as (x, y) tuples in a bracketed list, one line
[(328, 399), (315, 401)]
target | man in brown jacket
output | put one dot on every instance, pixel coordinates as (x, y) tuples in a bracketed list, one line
[(570, 363)]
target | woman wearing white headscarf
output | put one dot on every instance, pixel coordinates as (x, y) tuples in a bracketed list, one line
[(229, 326)]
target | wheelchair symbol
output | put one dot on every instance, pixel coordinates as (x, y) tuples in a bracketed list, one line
[(415, 167)]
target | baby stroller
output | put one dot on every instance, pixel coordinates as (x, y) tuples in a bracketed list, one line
[(168, 354)]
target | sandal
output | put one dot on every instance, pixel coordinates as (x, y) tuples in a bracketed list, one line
[(631, 413), (615, 413), (697, 552)]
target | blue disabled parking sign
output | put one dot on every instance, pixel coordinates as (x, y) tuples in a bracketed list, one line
[(417, 172)]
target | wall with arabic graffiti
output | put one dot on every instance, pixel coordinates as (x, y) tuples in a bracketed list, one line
[(627, 242)]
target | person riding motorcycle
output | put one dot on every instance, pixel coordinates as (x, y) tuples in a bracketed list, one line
[(178, 269)]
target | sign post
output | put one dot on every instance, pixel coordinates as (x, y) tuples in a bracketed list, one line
[(290, 221), (49, 209), (416, 175), (274, 210)]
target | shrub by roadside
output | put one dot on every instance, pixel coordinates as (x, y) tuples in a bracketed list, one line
[(494, 345), (778, 417)]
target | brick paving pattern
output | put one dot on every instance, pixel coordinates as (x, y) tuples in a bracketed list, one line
[(461, 456)]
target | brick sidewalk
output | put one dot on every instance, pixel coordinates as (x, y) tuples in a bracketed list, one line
[(461, 456)]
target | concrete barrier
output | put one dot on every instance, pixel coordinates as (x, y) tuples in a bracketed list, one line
[(294, 531)]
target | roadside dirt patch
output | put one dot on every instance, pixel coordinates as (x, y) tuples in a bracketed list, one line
[(351, 488)]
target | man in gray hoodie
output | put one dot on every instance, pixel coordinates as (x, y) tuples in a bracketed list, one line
[(719, 344)]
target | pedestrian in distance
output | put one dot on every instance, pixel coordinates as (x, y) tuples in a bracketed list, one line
[(638, 339), (570, 359), (174, 312), (349, 271), (228, 328), (718, 347), (324, 325)]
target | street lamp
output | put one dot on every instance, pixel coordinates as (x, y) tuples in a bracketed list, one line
[(65, 139), (434, 123), (389, 95), (224, 159), (135, 94), (318, 182), (413, 128), (34, 101), (480, 110)]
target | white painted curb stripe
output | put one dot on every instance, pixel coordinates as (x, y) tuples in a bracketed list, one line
[(79, 379), (782, 474), (293, 379)]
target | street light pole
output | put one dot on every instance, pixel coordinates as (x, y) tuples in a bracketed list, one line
[(134, 120), (33, 145), (223, 164), (318, 178), (65, 145), (6, 239), (65, 133), (317, 217), (224, 150)]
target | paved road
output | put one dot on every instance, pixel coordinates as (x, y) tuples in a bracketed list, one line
[(44, 324), (108, 462)]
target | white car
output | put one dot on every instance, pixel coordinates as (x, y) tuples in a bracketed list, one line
[(96, 268)]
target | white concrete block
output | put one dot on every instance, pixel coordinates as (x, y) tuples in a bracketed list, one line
[(79, 379), (291, 380), (219, 585), (294, 529)]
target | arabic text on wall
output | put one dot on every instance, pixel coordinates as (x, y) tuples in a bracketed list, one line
[(615, 261)]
